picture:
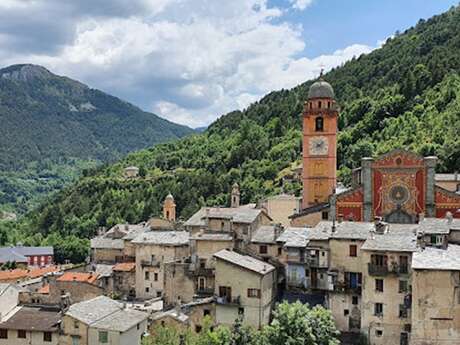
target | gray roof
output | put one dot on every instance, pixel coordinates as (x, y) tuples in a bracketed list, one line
[(212, 236), (244, 214), (345, 230), (106, 243), (166, 238), (394, 241), (244, 261), (20, 253), (447, 177), (264, 234), (94, 309), (321, 89), (104, 270), (34, 319), (432, 258), (129, 231), (121, 320), (294, 237), (438, 225), (173, 313)]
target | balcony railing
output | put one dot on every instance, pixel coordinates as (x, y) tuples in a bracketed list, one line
[(347, 288), (205, 291), (378, 270), (150, 263), (228, 300), (310, 261)]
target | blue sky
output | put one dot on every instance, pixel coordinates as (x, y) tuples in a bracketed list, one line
[(329, 25), (190, 61)]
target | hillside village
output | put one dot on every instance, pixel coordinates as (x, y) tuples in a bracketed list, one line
[(383, 255)]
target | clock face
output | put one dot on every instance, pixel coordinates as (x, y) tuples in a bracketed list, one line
[(318, 146)]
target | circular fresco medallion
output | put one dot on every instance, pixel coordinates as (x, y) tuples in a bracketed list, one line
[(399, 194)]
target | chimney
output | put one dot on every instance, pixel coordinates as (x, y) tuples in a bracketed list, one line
[(340, 218), (449, 217), (379, 225), (278, 230)]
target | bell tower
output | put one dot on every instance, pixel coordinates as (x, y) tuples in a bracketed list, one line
[(319, 144), (169, 208)]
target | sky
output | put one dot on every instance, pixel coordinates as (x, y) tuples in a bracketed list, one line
[(191, 61)]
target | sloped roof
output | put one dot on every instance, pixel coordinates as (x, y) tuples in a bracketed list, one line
[(125, 267), (34, 319), (432, 258), (438, 225), (106, 243), (400, 241), (94, 309), (121, 320), (78, 277), (173, 313), (20, 253), (447, 177), (18, 274), (245, 214), (264, 234), (220, 236), (244, 261), (167, 238)]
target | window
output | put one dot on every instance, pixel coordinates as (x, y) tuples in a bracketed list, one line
[(225, 292), (206, 312), (138, 326), (147, 275), (402, 311), (378, 309), (198, 328), (353, 250), (378, 332), (403, 286), (346, 312), (103, 337), (201, 283), (403, 264), (353, 280), (254, 293), (328, 105), (159, 294), (155, 277), (379, 285), (241, 311), (404, 339), (222, 225), (311, 105), (319, 104), (263, 249), (3, 334), (319, 124), (147, 290), (76, 325), (354, 300), (379, 260), (22, 334), (436, 240), (47, 336), (280, 251), (75, 340), (324, 215), (245, 230)]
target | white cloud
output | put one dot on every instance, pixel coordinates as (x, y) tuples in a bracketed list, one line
[(301, 4), (189, 61)]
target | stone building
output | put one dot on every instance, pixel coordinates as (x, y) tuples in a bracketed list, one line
[(280, 207), (31, 325), (169, 208), (102, 321), (436, 296), (245, 287), (264, 242), (124, 279), (153, 250)]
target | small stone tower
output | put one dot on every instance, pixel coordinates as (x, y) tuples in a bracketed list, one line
[(235, 202), (169, 208)]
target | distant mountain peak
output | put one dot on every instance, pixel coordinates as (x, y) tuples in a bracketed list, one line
[(25, 72)]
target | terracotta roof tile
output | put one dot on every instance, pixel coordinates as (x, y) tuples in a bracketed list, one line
[(18, 274), (78, 276), (125, 267)]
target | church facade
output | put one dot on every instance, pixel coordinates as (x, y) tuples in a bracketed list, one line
[(399, 186)]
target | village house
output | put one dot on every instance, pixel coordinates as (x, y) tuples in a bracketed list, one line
[(25, 257), (153, 250), (280, 207), (124, 279), (245, 287), (31, 325), (9, 299), (386, 300), (436, 296), (102, 321), (264, 242)]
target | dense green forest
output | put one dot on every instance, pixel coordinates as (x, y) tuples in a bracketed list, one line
[(53, 127), (403, 95)]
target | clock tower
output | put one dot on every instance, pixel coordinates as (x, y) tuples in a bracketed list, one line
[(319, 153)]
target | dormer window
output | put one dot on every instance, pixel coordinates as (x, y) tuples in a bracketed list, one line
[(319, 124)]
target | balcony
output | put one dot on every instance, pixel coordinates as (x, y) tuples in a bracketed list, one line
[(347, 288), (205, 292), (228, 300), (377, 270), (150, 263), (308, 260)]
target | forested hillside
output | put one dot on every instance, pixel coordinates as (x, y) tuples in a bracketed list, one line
[(405, 94), (52, 127)]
